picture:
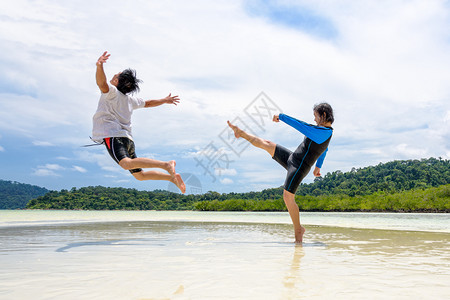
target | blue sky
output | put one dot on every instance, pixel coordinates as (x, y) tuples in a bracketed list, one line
[(383, 66)]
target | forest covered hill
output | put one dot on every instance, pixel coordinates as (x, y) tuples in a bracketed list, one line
[(410, 185), (14, 195), (391, 177)]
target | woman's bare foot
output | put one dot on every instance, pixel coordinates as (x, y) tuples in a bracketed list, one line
[(178, 181), (237, 131), (299, 235), (171, 167)]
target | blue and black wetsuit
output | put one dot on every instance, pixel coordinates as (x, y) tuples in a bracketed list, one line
[(313, 148)]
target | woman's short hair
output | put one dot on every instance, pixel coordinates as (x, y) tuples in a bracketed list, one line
[(128, 83), (325, 112)]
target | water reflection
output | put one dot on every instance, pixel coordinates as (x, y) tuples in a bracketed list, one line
[(292, 281)]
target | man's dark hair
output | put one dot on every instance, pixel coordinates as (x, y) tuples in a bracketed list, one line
[(128, 83), (325, 112)]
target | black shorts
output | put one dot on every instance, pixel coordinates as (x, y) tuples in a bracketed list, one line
[(296, 171), (119, 148)]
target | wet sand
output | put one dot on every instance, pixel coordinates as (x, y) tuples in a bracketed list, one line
[(220, 260)]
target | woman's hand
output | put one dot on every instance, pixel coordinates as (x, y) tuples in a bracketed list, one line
[(276, 118), (167, 100), (316, 172)]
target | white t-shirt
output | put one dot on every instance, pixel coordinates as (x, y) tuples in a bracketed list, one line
[(113, 115)]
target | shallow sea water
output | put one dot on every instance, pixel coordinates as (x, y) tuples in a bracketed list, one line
[(190, 255)]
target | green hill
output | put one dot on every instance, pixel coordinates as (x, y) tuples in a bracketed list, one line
[(14, 195), (391, 177)]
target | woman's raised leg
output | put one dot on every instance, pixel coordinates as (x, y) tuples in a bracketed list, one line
[(254, 140)]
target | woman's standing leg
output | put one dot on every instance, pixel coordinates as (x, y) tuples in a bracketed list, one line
[(289, 200)]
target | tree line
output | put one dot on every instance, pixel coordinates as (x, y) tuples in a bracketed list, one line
[(436, 199), (411, 185)]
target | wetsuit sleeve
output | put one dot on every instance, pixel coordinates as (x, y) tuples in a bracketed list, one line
[(315, 133), (321, 158)]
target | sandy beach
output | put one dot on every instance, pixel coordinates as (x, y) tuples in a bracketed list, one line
[(179, 259)]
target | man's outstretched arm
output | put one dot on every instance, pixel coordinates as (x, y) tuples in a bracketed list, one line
[(100, 76), (168, 100)]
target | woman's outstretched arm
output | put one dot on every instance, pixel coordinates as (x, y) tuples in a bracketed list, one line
[(318, 134)]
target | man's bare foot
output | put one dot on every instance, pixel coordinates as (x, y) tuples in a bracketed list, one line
[(299, 235), (171, 167), (237, 131), (178, 181)]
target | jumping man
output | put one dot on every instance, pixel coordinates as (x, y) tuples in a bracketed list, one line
[(112, 124), (298, 163)]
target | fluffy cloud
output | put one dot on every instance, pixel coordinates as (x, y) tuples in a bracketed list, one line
[(42, 143), (225, 172), (79, 169), (226, 181), (48, 170), (44, 173)]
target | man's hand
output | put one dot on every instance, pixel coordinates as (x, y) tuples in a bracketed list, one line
[(102, 59), (167, 100), (100, 76), (171, 99), (316, 172), (276, 118)]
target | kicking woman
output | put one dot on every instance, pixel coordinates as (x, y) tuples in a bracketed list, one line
[(298, 163)]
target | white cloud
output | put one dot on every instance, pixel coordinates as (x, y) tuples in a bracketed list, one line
[(79, 169), (102, 159), (225, 172), (408, 151), (42, 143), (44, 172), (62, 158), (121, 181), (48, 170), (2, 149), (226, 181), (54, 167)]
